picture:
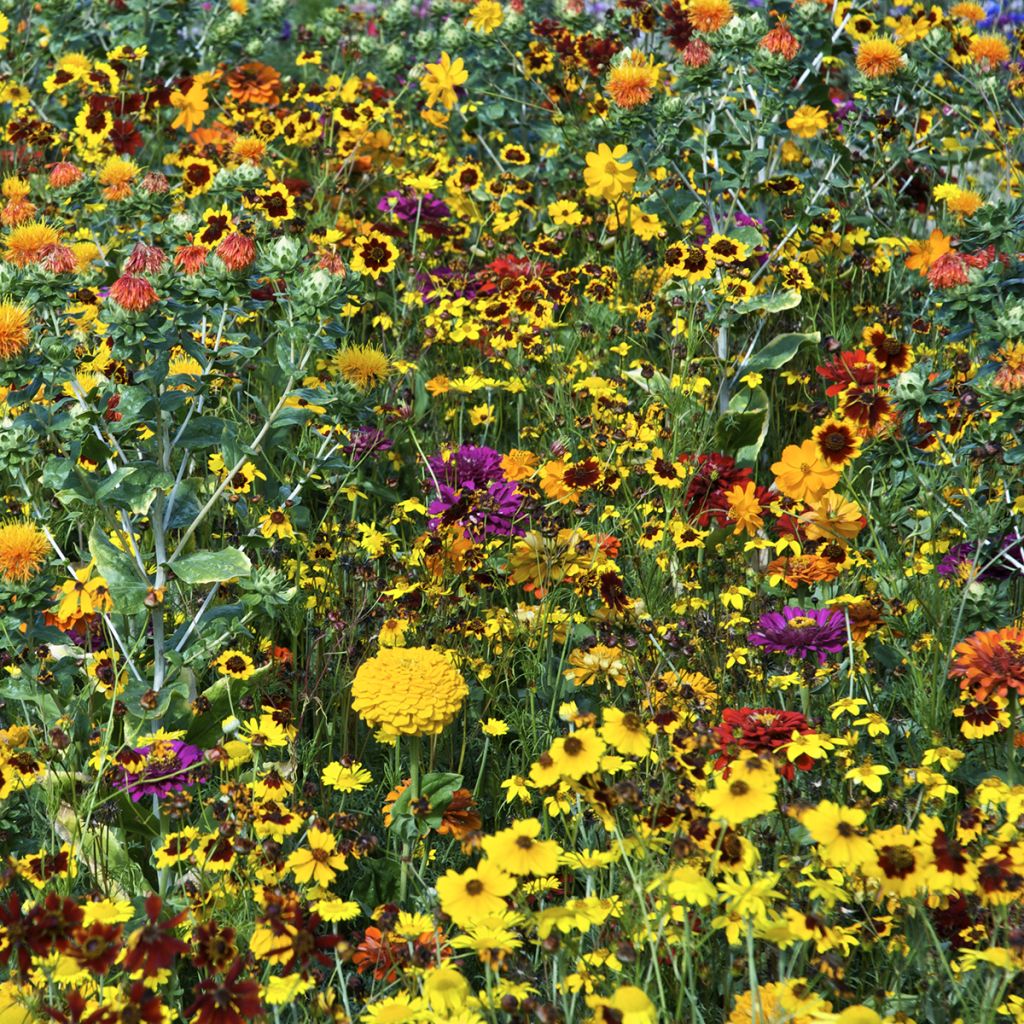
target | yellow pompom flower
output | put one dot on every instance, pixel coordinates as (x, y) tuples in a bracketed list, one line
[(23, 549), (408, 691)]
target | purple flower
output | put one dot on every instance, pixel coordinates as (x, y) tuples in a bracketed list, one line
[(801, 633), (158, 769), (366, 441), (409, 208), (959, 560), (472, 492)]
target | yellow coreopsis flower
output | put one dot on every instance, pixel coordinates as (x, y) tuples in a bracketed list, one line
[(318, 862)]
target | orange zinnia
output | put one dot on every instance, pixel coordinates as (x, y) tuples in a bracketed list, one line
[(990, 661), (254, 83)]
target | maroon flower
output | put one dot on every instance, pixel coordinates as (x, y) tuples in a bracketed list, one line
[(96, 948), (227, 1000), (153, 946)]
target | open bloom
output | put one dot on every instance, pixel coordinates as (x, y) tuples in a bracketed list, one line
[(159, 768), (815, 632), (442, 79)]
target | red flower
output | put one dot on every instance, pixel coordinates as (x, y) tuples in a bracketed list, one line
[(990, 661), (848, 368), (133, 293), (948, 271), (705, 495), (63, 174), (237, 251), (190, 258), (227, 1000), (153, 946), (764, 731), (96, 948), (145, 258)]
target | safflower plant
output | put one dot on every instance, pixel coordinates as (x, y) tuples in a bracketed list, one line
[(512, 512)]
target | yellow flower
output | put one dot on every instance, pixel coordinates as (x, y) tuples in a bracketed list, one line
[(607, 175), (235, 664), (23, 549), (411, 691), (318, 862), (475, 893), (445, 990), (191, 107), (442, 79), (807, 121), (632, 80), (485, 16), (362, 365), (276, 523), (801, 472), (879, 57), (747, 793), (629, 1005), (626, 732), (518, 850), (836, 831), (14, 331), (565, 212)]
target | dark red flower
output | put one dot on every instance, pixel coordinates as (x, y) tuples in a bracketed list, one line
[(227, 1000), (153, 946), (97, 947), (237, 251), (715, 474)]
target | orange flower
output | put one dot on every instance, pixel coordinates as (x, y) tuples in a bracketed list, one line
[(989, 51), (709, 15), (802, 474), (254, 83), (924, 254), (879, 57), (631, 83), (798, 569), (990, 661)]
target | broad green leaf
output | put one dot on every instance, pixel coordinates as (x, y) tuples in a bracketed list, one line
[(123, 577), (211, 566), (770, 303), (780, 350)]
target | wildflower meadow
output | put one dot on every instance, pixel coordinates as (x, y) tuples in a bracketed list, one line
[(513, 512)]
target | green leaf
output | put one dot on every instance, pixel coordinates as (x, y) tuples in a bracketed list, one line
[(780, 350), (770, 303), (211, 566), (742, 429), (127, 588)]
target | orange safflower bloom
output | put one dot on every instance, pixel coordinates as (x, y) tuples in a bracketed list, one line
[(879, 57)]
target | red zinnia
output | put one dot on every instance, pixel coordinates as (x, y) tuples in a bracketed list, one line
[(764, 731)]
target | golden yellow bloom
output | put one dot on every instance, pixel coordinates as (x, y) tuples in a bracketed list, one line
[(989, 51), (362, 365), (607, 175), (631, 82), (709, 15), (879, 57), (28, 243), (807, 121), (23, 548), (485, 16), (409, 691), (441, 80), (13, 329), (117, 175)]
